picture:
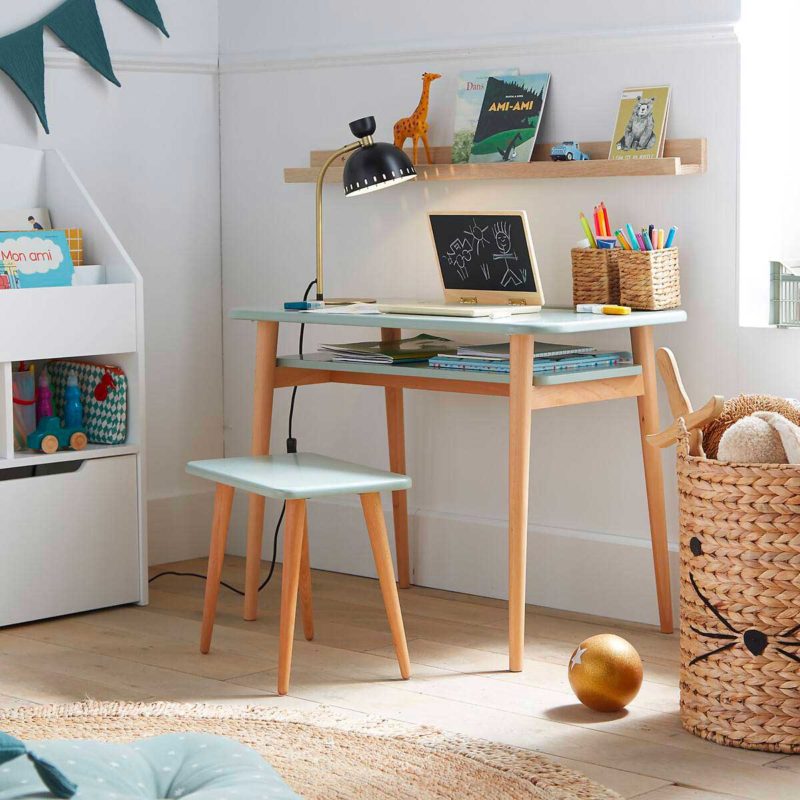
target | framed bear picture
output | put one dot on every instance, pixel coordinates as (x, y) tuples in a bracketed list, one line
[(641, 125)]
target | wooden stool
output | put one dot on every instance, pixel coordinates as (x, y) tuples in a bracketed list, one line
[(296, 478)]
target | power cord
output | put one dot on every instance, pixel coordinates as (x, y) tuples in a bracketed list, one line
[(291, 447)]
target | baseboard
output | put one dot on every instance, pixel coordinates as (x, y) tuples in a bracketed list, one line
[(584, 571), (179, 526)]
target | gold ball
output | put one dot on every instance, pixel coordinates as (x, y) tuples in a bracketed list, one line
[(605, 672)]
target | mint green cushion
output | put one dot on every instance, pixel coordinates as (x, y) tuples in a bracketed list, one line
[(186, 765)]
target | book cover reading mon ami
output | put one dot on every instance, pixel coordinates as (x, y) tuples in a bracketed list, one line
[(510, 116)]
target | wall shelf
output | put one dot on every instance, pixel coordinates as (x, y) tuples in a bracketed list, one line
[(681, 157)]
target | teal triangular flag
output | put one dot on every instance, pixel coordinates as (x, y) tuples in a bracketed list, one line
[(149, 10), (22, 59), (77, 24)]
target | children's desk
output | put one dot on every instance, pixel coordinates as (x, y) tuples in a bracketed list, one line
[(525, 393)]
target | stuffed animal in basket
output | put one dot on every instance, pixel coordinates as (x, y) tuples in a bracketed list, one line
[(743, 406), (761, 438)]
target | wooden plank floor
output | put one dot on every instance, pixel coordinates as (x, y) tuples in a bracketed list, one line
[(457, 644)]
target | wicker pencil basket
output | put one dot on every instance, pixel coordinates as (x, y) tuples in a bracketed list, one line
[(740, 602), (595, 276), (649, 280)]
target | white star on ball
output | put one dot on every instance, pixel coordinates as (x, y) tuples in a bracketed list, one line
[(576, 656)]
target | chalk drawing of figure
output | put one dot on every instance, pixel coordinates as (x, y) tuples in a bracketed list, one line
[(502, 238)]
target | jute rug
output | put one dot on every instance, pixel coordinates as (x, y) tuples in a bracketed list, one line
[(324, 755)]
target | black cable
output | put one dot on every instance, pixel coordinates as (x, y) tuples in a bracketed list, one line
[(291, 447)]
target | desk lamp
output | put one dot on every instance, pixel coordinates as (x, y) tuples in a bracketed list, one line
[(373, 165)]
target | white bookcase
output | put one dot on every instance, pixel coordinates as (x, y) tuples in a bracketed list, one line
[(72, 524)]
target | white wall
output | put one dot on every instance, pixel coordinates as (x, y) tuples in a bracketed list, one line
[(149, 155), (291, 81)]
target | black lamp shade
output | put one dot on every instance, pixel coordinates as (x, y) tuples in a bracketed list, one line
[(376, 166)]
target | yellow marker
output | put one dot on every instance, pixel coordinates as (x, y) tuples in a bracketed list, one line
[(598, 308), (660, 238), (616, 310), (588, 231)]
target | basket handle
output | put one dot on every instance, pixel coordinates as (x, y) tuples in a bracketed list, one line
[(680, 429)]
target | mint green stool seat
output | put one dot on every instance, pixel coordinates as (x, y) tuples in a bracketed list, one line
[(295, 478)]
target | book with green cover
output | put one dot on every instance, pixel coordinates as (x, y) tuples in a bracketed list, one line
[(416, 348), (509, 120), (469, 97)]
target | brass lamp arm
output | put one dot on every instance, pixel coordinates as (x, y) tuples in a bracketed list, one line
[(320, 178)]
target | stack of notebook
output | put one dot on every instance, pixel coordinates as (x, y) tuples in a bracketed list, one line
[(547, 358)]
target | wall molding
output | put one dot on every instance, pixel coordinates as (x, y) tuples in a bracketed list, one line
[(573, 570), (476, 48), (195, 64)]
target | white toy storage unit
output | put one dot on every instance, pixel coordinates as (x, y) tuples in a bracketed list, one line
[(72, 524)]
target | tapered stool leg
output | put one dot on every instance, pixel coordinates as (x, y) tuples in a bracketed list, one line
[(290, 580), (219, 536), (306, 607), (376, 526)]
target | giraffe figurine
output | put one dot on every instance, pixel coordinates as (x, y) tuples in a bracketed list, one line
[(415, 127)]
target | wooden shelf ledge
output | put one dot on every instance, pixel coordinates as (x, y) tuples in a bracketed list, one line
[(681, 157)]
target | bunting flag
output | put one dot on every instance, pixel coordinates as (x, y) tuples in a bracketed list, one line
[(77, 24)]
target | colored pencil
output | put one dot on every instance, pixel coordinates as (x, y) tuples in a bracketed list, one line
[(604, 216), (621, 239), (587, 230)]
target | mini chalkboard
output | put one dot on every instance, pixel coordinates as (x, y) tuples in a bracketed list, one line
[(480, 253)]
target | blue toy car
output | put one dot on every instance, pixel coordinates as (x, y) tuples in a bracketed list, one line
[(568, 151), (51, 434)]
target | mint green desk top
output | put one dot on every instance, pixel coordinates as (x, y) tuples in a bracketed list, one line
[(548, 320), (297, 476)]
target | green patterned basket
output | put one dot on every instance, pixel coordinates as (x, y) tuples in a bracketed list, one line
[(104, 394)]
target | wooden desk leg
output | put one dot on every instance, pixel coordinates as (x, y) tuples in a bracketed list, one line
[(643, 354), (519, 454), (395, 424), (266, 353)]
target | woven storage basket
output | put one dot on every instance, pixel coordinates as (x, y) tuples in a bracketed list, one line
[(740, 602), (595, 276), (649, 280)]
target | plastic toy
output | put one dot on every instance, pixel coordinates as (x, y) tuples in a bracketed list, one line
[(73, 408), (415, 127), (568, 151), (50, 435), (44, 405)]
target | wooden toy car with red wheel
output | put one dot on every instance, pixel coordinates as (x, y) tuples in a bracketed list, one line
[(51, 435)]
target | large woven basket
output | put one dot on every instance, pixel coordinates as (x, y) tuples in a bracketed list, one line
[(740, 602), (595, 276), (649, 280)]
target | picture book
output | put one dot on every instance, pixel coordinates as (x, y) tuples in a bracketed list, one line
[(25, 219), (35, 259), (469, 97), (509, 120), (416, 348), (641, 123)]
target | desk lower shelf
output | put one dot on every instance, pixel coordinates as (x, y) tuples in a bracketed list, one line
[(549, 389)]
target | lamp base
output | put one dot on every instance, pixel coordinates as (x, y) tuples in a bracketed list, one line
[(347, 301)]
